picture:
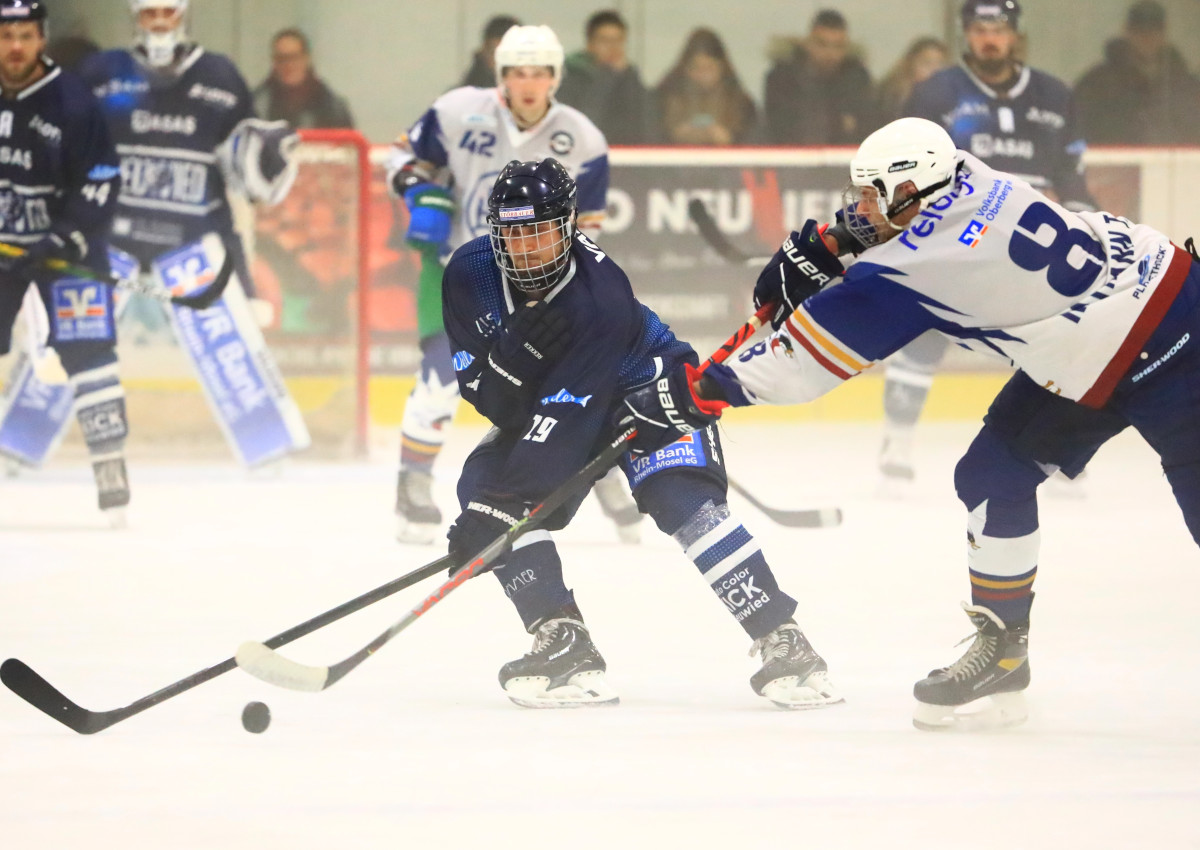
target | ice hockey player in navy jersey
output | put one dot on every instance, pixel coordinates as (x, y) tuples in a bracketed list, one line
[(1013, 117), (59, 179), (1099, 313), (184, 126), (547, 338)]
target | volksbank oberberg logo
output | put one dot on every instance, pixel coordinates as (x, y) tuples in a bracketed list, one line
[(971, 236)]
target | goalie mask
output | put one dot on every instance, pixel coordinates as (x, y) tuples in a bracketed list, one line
[(531, 211), (524, 46), (161, 31), (909, 149)]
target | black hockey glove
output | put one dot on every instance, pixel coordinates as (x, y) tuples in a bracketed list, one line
[(535, 338), (799, 269), (52, 246), (484, 520), (666, 410)]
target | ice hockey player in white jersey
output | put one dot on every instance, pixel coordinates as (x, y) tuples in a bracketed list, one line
[(444, 168), (1098, 313)]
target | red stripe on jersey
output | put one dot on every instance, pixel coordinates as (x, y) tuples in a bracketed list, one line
[(797, 335), (1145, 325)]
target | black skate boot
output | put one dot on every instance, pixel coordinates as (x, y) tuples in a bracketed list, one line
[(985, 689), (112, 489), (793, 675), (418, 519), (619, 506), (563, 670)]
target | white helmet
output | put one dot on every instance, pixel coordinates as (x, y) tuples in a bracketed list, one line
[(159, 47), (529, 45), (906, 149)]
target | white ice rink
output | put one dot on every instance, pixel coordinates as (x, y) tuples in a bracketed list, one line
[(418, 748)]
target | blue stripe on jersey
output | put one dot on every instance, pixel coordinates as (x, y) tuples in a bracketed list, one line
[(656, 340), (874, 313), (722, 549), (593, 184), (424, 137)]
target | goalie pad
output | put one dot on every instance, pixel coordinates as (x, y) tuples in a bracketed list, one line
[(240, 378), (258, 160), (35, 409)]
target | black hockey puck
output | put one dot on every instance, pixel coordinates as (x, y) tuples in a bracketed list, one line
[(256, 717)]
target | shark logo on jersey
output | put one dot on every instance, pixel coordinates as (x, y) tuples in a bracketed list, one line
[(562, 143), (782, 341), (974, 232)]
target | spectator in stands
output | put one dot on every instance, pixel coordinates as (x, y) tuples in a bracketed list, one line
[(819, 93), (925, 57), (70, 50), (482, 72), (1142, 92), (293, 92), (600, 82), (700, 100)]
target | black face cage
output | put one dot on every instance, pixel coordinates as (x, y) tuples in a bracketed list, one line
[(533, 256)]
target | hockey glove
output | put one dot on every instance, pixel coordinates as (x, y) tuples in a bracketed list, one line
[(430, 209), (667, 410), (53, 246), (535, 338), (799, 269), (484, 521)]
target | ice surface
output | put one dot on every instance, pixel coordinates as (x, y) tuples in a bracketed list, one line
[(418, 748)]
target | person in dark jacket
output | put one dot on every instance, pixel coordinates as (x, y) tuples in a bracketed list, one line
[(1142, 93), (819, 93), (482, 73), (602, 84), (294, 93)]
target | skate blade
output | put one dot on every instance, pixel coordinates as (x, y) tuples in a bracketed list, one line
[(997, 711), (815, 692), (583, 690), (416, 533)]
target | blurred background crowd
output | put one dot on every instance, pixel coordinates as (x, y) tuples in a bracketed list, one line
[(800, 73)]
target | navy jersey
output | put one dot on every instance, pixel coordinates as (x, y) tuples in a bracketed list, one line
[(166, 128), (1029, 131), (58, 169), (616, 344)]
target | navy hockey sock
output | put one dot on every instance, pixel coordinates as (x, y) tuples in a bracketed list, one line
[(532, 578), (731, 561)]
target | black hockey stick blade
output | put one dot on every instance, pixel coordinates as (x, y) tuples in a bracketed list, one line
[(261, 661), (711, 234), (208, 296), (803, 518), (25, 682)]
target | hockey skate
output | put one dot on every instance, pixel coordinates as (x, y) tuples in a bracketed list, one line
[(418, 519), (793, 675), (618, 506), (896, 466), (563, 670), (112, 489), (985, 689)]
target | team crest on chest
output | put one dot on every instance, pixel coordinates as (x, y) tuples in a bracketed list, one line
[(562, 143)]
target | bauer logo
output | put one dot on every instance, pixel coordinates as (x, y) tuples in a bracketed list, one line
[(907, 165), (971, 236), (517, 214)]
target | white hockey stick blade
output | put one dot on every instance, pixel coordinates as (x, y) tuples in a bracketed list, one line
[(264, 663)]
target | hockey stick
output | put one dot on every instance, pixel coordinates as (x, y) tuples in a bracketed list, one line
[(715, 239), (805, 518), (201, 300), (262, 662), (29, 686)]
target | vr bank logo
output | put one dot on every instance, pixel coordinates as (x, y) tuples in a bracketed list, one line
[(974, 232)]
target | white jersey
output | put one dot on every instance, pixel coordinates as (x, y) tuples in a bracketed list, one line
[(1069, 298), (470, 133)]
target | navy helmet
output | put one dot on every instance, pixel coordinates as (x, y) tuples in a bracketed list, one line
[(16, 11), (1004, 11), (531, 211)]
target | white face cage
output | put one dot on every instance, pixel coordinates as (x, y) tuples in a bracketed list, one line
[(533, 256), (865, 214), (160, 47)]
